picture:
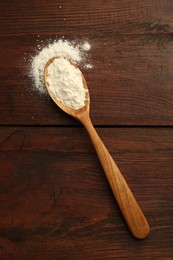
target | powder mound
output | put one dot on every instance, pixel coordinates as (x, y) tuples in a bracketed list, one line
[(61, 48), (65, 82)]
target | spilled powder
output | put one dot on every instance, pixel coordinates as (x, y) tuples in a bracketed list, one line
[(62, 48), (86, 46)]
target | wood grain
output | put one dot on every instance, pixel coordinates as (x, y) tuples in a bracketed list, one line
[(57, 204), (130, 208), (86, 18), (131, 82)]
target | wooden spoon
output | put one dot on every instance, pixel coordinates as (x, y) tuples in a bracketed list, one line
[(130, 209)]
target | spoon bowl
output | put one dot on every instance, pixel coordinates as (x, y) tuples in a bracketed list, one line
[(129, 207), (76, 113)]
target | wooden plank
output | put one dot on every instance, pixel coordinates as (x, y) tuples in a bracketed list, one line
[(56, 202), (131, 82), (86, 18)]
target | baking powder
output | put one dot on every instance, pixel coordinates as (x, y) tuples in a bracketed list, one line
[(62, 48), (65, 82)]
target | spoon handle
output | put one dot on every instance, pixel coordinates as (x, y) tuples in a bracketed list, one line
[(130, 209)]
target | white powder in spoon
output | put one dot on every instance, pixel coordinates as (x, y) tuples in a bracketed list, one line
[(65, 82), (62, 48)]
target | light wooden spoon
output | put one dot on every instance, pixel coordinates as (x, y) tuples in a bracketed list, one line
[(130, 209)]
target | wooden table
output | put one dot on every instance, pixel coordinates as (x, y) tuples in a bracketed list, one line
[(55, 202)]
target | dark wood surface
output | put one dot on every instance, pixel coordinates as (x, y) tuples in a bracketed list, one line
[(55, 202), (131, 82)]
